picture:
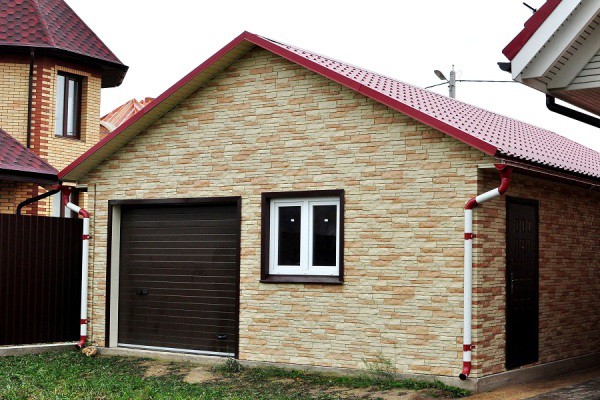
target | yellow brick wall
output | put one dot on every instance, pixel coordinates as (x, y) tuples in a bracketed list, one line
[(14, 92), (267, 125), (12, 193), (14, 89), (569, 277), (60, 151)]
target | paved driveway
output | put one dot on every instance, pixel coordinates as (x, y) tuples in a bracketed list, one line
[(589, 390)]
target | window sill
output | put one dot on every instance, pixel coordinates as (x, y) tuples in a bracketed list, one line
[(68, 137), (327, 280)]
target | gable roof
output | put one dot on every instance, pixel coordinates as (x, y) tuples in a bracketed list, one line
[(52, 25), (530, 27), (491, 133), (19, 163)]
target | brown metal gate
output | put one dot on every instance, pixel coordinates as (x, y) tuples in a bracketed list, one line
[(179, 276), (40, 279)]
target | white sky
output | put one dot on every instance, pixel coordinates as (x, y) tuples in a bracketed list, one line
[(162, 40)]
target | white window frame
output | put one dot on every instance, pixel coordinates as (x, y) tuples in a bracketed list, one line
[(306, 233)]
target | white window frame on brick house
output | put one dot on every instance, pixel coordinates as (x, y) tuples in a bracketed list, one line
[(305, 270)]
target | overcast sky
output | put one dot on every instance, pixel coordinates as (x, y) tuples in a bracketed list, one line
[(162, 40)]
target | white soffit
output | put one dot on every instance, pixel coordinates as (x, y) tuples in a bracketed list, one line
[(553, 26)]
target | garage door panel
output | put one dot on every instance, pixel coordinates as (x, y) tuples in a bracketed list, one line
[(179, 276)]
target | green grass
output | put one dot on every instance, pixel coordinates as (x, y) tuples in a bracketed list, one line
[(71, 375)]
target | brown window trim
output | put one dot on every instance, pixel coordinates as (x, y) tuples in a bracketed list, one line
[(65, 106), (265, 277)]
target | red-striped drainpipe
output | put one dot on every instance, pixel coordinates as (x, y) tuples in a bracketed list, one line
[(66, 193), (505, 173)]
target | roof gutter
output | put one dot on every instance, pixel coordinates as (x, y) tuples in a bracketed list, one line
[(571, 113), (590, 182)]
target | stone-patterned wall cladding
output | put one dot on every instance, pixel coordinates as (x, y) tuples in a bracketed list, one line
[(569, 270), (264, 125), (14, 90)]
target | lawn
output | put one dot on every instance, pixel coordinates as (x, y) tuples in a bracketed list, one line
[(72, 375)]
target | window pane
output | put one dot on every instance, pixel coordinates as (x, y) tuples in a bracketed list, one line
[(60, 105), (324, 235), (73, 106), (288, 251)]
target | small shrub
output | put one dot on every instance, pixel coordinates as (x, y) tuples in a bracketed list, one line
[(230, 366), (381, 369)]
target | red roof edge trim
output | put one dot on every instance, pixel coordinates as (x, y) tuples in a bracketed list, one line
[(178, 85), (379, 97), (531, 26)]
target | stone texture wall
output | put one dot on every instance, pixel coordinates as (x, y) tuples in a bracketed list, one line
[(267, 125), (569, 270)]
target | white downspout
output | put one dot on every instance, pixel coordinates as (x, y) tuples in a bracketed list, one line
[(505, 172), (66, 192)]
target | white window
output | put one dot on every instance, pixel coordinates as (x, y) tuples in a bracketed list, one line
[(304, 236)]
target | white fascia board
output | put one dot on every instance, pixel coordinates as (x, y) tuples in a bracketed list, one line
[(541, 37), (577, 62), (571, 28)]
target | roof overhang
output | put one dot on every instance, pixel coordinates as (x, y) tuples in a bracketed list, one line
[(557, 52), (30, 177), (112, 73)]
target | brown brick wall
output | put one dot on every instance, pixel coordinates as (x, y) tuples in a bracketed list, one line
[(569, 250)]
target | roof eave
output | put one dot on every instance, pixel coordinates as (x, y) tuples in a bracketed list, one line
[(28, 177), (113, 73)]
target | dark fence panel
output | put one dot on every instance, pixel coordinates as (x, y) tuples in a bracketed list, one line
[(40, 279)]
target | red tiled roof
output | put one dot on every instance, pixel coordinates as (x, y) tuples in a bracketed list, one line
[(52, 24), (116, 117), (491, 133), (16, 158), (531, 26)]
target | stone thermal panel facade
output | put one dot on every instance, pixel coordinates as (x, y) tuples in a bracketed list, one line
[(267, 125)]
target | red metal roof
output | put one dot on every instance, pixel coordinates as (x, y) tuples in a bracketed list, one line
[(491, 133), (116, 117), (52, 24), (16, 158), (531, 26)]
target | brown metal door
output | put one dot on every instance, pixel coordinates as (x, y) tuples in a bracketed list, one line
[(179, 276), (521, 282)]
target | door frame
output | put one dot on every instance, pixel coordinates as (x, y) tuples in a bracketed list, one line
[(113, 256), (536, 204)]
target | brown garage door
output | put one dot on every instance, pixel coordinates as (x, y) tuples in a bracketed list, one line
[(178, 277)]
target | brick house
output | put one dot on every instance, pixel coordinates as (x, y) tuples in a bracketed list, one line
[(52, 67), (280, 206)]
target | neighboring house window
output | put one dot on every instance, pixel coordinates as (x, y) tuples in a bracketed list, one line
[(68, 105), (302, 236)]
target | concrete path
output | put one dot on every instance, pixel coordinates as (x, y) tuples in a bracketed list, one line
[(582, 385)]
